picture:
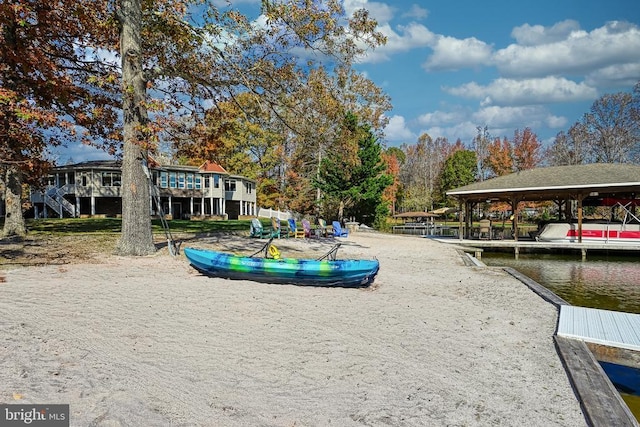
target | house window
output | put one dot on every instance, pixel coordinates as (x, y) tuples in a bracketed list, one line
[(216, 181), (72, 178), (84, 180), (172, 180), (190, 181), (111, 179), (164, 180), (181, 180), (51, 180), (207, 181), (248, 187), (198, 182), (230, 185)]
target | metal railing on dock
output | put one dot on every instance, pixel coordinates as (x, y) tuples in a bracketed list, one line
[(426, 230)]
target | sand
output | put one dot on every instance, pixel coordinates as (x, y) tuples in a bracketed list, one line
[(150, 342)]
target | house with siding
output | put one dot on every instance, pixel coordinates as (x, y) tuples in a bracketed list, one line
[(93, 188)]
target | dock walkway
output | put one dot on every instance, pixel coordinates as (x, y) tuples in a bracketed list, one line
[(604, 327)]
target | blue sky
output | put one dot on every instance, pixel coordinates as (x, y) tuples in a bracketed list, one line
[(450, 66)]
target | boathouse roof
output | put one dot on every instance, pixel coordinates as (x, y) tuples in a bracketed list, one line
[(549, 183)]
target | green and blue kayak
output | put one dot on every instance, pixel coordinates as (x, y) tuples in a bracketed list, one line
[(338, 273)]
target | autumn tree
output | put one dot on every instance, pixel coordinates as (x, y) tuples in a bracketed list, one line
[(189, 51), (246, 139), (288, 140), (393, 158), (527, 150), (500, 157), (54, 88)]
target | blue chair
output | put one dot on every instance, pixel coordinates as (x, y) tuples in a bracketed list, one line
[(338, 231), (294, 231)]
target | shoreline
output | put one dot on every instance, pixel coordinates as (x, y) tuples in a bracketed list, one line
[(131, 341)]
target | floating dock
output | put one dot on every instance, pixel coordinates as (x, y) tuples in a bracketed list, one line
[(604, 327)]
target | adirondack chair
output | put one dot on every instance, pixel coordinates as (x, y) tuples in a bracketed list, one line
[(294, 231), (308, 232), (257, 230), (324, 228), (338, 231), (277, 230)]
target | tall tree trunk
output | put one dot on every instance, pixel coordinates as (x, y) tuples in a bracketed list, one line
[(136, 238), (13, 220)]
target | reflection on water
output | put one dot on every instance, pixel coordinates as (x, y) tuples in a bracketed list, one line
[(610, 283)]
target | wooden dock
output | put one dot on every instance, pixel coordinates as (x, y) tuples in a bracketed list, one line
[(532, 246), (604, 327)]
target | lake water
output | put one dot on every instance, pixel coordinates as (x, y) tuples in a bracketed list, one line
[(606, 282)]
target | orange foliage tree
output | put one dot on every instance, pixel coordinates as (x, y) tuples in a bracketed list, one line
[(53, 89), (500, 159), (527, 150)]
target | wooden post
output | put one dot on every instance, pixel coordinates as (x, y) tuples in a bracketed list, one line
[(580, 197), (514, 208), (461, 215)]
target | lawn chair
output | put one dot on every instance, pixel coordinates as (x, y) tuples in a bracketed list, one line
[(277, 231), (257, 230), (338, 231), (485, 229), (324, 228), (294, 231), (308, 231)]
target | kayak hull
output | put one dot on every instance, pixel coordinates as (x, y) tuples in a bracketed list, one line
[(338, 273)]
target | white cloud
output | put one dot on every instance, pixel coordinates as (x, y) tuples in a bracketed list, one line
[(555, 122), (416, 12), (450, 53), (525, 92), (465, 131), (615, 76), (408, 37), (533, 116), (398, 131), (381, 12), (441, 117), (531, 35), (579, 53)]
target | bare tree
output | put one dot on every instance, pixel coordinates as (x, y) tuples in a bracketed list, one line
[(613, 128)]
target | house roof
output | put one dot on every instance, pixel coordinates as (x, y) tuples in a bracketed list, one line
[(92, 164), (211, 167), (548, 183)]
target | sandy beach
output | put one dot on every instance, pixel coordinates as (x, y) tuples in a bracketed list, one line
[(151, 342)]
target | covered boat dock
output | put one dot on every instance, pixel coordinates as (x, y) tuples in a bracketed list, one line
[(561, 184)]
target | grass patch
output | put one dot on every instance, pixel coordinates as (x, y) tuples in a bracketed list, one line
[(64, 226)]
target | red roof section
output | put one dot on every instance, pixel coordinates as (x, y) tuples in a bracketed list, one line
[(211, 167)]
